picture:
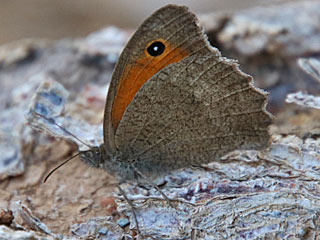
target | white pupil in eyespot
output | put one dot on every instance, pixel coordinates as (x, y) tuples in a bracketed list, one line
[(155, 48)]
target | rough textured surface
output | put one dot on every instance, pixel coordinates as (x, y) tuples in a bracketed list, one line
[(304, 100), (267, 41), (311, 66), (81, 65), (25, 64), (273, 194)]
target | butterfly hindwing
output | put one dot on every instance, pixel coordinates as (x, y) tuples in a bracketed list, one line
[(194, 111)]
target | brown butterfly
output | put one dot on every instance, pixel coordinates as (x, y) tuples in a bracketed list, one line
[(174, 102)]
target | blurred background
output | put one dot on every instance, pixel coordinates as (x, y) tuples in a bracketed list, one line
[(76, 18)]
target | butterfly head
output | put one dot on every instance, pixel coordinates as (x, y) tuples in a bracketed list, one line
[(94, 157)]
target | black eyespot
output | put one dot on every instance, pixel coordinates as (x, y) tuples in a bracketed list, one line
[(156, 48)]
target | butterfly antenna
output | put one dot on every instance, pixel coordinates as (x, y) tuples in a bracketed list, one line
[(63, 129), (53, 170)]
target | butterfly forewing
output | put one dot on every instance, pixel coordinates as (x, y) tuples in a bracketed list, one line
[(173, 26)]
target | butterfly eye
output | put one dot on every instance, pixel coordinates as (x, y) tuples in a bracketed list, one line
[(156, 48)]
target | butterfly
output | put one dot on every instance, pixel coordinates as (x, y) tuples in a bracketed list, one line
[(174, 101)]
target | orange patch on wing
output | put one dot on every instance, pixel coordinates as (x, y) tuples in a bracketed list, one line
[(134, 76)]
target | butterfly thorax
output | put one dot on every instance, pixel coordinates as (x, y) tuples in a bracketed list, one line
[(98, 157)]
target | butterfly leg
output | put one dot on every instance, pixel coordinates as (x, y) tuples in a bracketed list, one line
[(154, 185), (131, 205)]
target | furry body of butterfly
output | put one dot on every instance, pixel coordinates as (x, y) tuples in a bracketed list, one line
[(174, 101)]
